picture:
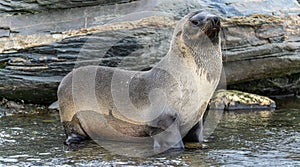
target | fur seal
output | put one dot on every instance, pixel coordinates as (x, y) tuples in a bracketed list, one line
[(163, 104)]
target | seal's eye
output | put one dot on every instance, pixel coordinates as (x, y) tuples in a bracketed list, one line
[(195, 22)]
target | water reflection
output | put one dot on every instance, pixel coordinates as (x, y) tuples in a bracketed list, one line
[(246, 138)]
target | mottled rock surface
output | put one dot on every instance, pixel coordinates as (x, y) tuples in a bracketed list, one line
[(40, 45), (32, 6), (9, 108), (237, 100)]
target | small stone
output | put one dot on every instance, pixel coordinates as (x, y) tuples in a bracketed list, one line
[(291, 47), (195, 145), (14, 105), (17, 60), (57, 36)]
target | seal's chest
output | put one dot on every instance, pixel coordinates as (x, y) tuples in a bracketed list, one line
[(196, 92)]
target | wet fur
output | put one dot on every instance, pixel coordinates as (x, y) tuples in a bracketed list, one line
[(86, 99)]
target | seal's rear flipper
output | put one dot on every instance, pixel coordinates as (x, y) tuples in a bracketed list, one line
[(74, 139), (74, 131), (165, 131), (168, 139)]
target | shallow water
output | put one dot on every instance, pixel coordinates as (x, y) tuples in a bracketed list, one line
[(242, 138)]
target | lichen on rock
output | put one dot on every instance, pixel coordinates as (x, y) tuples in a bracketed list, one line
[(237, 100)]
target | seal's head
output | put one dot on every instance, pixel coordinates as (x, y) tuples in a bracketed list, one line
[(197, 39), (203, 22), (199, 28)]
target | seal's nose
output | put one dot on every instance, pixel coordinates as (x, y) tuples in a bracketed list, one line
[(197, 19), (215, 20), (202, 18)]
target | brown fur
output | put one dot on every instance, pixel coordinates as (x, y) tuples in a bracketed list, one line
[(187, 75)]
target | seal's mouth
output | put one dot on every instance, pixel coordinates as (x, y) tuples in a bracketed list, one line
[(213, 28), (208, 23)]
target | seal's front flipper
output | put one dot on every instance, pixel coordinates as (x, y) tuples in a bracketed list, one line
[(169, 138), (165, 131), (195, 134)]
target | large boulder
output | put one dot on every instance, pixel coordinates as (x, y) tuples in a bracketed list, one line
[(33, 6), (262, 54), (260, 45)]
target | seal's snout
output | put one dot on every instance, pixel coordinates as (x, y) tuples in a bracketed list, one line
[(215, 21), (197, 19), (201, 18), (208, 23)]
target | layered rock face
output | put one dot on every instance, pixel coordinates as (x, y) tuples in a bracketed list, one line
[(32, 6), (41, 41)]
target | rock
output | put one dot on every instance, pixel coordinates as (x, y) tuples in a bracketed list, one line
[(290, 102), (20, 108), (285, 85), (54, 106), (30, 6), (38, 70), (14, 105), (266, 63), (195, 145), (269, 49), (245, 8), (237, 100), (261, 44), (4, 33), (9, 108)]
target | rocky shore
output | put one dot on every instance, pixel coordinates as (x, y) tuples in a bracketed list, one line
[(228, 100), (41, 41)]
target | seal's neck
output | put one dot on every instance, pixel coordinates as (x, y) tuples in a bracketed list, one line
[(201, 57)]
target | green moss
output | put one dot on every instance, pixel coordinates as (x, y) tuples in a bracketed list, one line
[(2, 65), (243, 97), (233, 99)]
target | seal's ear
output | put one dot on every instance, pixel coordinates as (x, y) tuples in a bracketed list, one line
[(178, 33)]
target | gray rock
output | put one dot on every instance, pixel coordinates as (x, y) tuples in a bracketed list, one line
[(261, 44), (285, 85), (4, 33), (10, 108), (31, 6), (257, 55), (237, 100)]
